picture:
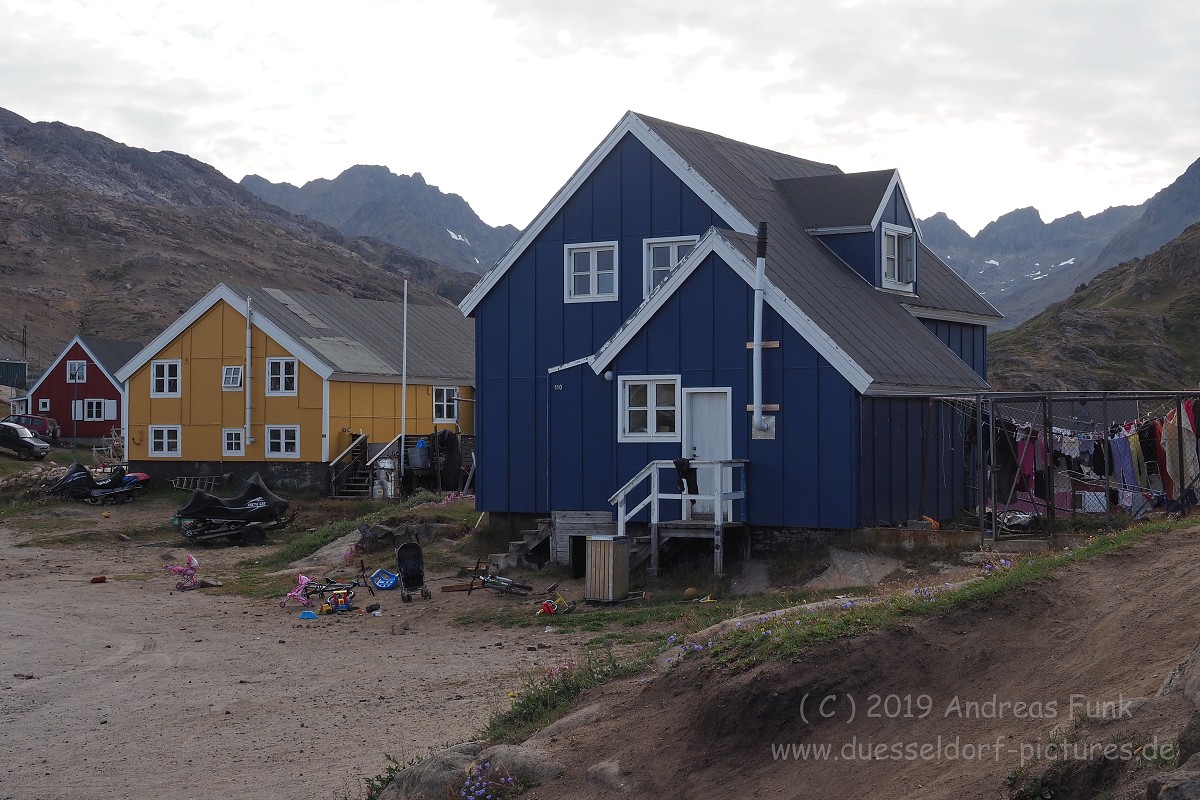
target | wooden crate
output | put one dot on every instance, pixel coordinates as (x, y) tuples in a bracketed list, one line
[(607, 576)]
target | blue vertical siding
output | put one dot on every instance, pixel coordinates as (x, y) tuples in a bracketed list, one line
[(907, 444), (806, 476), (524, 327), (860, 251), (967, 341)]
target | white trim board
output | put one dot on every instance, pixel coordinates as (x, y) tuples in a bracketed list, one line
[(714, 243), (629, 124), (203, 305), (920, 312), (63, 354), (896, 183)]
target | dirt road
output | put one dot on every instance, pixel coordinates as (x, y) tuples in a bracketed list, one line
[(131, 689)]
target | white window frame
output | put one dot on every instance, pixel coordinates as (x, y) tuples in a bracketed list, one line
[(77, 372), (43, 404), (167, 366), (452, 402), (231, 378), (276, 383), (593, 295), (648, 247), (93, 410), (159, 448), (276, 440), (651, 409), (226, 435), (904, 264)]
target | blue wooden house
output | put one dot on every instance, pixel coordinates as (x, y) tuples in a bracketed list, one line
[(641, 319)]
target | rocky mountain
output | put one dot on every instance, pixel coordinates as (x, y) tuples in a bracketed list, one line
[(1134, 327), (100, 238), (1022, 264), (401, 209), (1017, 261)]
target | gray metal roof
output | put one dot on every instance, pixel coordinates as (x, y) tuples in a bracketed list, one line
[(872, 326), (358, 337), (112, 354), (829, 201)]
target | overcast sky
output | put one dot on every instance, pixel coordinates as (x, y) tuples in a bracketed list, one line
[(983, 106)]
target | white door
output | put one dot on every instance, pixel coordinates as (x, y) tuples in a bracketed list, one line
[(707, 435)]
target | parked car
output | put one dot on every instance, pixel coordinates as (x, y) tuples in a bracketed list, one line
[(20, 441), (45, 428)]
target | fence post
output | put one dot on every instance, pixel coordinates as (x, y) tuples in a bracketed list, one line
[(1048, 463), (992, 473), (983, 474), (1182, 483)]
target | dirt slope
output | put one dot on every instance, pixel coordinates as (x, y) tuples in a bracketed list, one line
[(1109, 630)]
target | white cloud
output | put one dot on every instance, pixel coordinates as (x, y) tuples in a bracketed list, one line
[(984, 107)]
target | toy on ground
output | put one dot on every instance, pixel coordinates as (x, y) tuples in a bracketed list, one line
[(383, 580), (298, 593), (557, 604), (186, 573)]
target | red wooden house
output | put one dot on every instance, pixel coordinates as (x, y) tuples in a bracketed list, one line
[(79, 389)]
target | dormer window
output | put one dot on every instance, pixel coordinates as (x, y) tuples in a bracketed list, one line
[(899, 258), (661, 256)]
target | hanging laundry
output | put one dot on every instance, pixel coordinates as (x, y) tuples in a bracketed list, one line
[(1123, 473), (1178, 471)]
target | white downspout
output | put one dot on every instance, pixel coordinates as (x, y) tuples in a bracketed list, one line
[(246, 380), (404, 391), (760, 277)]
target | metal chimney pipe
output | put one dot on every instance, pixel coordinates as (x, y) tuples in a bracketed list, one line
[(760, 277)]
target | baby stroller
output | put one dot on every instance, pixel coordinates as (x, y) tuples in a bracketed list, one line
[(410, 561)]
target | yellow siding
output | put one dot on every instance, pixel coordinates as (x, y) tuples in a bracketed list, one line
[(218, 339)]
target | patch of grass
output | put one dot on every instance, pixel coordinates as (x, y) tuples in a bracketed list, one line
[(547, 697), (254, 578), (775, 636)]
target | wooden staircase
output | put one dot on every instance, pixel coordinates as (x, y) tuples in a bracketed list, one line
[(353, 481), (519, 549)]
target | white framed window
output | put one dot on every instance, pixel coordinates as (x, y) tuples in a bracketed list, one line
[(43, 404), (281, 376), (76, 372), (445, 404), (899, 257), (283, 441), (231, 378), (591, 272), (660, 257), (164, 378), (164, 440), (232, 443), (93, 410), (649, 408)]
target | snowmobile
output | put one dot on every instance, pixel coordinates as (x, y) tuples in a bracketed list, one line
[(79, 484), (245, 518)]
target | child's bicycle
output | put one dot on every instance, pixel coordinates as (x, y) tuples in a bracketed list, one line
[(340, 591), (557, 604), (499, 584), (186, 573)]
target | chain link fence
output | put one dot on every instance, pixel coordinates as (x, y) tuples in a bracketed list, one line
[(1073, 462)]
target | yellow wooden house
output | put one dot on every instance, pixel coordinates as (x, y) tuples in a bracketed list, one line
[(305, 388)]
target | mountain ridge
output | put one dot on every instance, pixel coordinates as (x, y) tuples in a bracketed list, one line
[(1021, 264), (405, 210), (100, 238)]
